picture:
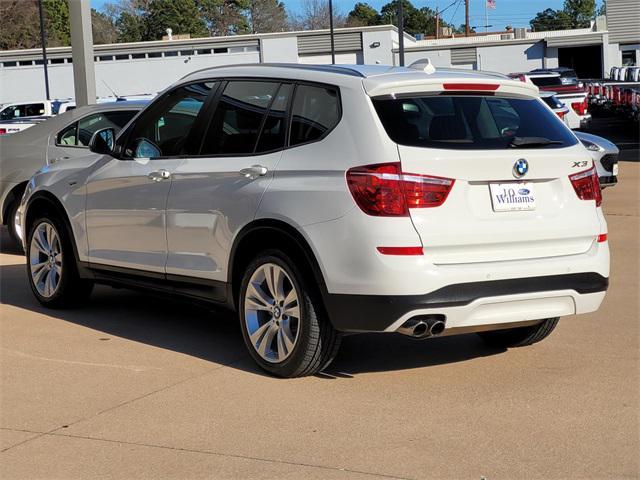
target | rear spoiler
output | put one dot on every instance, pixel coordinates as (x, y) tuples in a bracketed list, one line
[(415, 84)]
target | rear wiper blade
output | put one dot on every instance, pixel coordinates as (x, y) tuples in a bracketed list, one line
[(518, 142)]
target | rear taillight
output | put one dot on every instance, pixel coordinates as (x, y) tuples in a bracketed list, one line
[(580, 107), (3, 131), (561, 114), (383, 190), (587, 185)]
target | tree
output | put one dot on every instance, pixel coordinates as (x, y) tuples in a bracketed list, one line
[(550, 19), (421, 20), (603, 9), (104, 31), (19, 28), (315, 16), (363, 15), (266, 16), (182, 16), (58, 23), (574, 14), (224, 17), (581, 12)]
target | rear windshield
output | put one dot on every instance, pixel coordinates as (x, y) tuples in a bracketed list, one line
[(546, 81), (472, 122)]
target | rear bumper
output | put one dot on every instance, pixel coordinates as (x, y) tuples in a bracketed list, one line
[(472, 304)]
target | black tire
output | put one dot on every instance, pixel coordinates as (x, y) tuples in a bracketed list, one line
[(11, 224), (71, 289), (520, 337), (317, 342)]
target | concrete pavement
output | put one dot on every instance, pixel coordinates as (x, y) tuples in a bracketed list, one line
[(137, 386)]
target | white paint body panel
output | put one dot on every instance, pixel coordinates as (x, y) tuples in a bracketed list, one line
[(187, 225)]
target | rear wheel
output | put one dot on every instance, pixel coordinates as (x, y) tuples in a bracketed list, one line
[(520, 337), (51, 266), (282, 319)]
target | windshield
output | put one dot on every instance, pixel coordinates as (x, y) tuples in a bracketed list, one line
[(471, 122)]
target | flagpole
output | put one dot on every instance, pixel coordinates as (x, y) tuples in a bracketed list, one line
[(486, 18)]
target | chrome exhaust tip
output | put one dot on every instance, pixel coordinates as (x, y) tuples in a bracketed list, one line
[(423, 326)]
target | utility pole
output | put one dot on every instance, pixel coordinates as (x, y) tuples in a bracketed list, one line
[(466, 18), (401, 32), (333, 46), (437, 23), (43, 37)]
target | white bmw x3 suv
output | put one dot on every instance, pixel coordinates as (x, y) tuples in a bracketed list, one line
[(322, 200)]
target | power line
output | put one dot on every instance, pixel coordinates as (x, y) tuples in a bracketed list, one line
[(455, 11)]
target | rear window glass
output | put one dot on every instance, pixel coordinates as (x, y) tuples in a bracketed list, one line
[(316, 110), (471, 122), (546, 81)]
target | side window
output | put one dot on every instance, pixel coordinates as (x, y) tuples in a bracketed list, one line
[(92, 123), (164, 129), (272, 136), (239, 116), (316, 110), (33, 110), (68, 136)]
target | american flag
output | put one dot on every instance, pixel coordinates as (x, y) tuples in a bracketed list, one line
[(491, 4)]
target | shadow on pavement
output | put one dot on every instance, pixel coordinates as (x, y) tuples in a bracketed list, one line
[(215, 336)]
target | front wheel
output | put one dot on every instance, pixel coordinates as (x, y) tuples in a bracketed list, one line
[(520, 337), (51, 266), (283, 321)]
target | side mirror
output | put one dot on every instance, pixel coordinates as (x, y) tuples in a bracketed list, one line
[(103, 141)]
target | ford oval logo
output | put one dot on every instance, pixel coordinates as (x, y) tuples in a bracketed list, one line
[(520, 168), (523, 191)]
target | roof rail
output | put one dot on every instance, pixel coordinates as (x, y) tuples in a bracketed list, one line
[(342, 69)]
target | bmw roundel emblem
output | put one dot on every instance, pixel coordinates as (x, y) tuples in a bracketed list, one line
[(520, 168)]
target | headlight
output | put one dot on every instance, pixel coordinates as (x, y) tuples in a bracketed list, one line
[(592, 146)]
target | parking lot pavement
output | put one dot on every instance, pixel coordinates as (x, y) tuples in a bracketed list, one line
[(136, 386)]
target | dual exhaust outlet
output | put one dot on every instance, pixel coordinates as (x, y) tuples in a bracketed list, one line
[(423, 326)]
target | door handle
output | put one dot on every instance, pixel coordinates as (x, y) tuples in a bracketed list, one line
[(55, 160), (254, 171), (160, 175)]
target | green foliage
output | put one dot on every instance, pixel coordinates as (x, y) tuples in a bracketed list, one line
[(182, 16), (225, 17), (58, 24), (363, 15), (574, 14)]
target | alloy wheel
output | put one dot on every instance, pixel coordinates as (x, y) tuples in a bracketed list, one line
[(272, 313), (45, 259)]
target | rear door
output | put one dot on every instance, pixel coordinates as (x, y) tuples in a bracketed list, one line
[(511, 197), (217, 192)]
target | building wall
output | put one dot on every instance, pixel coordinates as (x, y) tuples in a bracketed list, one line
[(511, 58), (279, 50), (439, 58), (125, 77), (623, 21)]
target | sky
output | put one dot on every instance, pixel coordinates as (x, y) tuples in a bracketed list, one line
[(508, 12)]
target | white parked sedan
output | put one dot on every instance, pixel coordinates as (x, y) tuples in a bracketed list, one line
[(62, 137)]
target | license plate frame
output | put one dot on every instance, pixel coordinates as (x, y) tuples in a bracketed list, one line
[(512, 196)]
